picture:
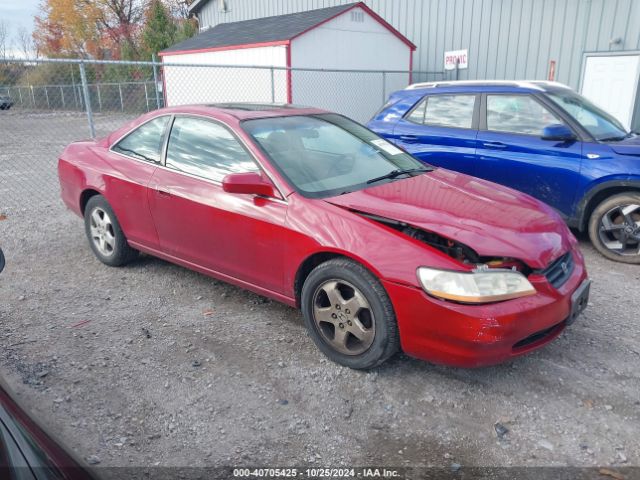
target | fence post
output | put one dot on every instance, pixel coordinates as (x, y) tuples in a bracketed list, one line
[(121, 104), (99, 97), (20, 94), (62, 96), (87, 100), (46, 94), (146, 95), (73, 85), (155, 79), (384, 87), (33, 97), (273, 87)]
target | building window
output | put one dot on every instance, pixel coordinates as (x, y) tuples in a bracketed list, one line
[(357, 16)]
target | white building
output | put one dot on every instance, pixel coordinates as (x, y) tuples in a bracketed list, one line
[(346, 37)]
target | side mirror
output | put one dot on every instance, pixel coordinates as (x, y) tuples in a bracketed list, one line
[(558, 132), (249, 183), (1, 260)]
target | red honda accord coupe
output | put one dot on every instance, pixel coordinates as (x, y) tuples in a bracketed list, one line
[(380, 251)]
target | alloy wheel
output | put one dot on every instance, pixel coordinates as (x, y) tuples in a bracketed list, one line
[(619, 230), (343, 317), (102, 233)]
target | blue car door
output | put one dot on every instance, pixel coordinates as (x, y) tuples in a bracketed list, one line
[(441, 130), (512, 152)]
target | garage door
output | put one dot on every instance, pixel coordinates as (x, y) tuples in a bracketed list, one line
[(611, 82)]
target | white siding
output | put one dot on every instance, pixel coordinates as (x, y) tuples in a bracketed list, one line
[(345, 44), (193, 84)]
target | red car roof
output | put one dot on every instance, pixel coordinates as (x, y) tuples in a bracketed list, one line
[(245, 111)]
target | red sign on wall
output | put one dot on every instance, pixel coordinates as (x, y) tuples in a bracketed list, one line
[(456, 59)]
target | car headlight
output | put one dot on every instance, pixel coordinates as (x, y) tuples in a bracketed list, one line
[(478, 286)]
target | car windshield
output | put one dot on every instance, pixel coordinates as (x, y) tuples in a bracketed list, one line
[(602, 126), (328, 154)]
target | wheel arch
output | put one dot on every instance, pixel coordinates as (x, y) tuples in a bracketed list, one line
[(315, 259), (599, 193), (85, 196)]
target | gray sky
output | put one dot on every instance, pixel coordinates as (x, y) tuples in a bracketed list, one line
[(17, 13)]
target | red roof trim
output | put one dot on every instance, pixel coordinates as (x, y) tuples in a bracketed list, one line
[(226, 47), (375, 16)]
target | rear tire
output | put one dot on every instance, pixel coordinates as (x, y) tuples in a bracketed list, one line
[(614, 228), (349, 315), (105, 236)]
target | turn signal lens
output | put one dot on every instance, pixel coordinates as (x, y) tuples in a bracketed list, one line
[(479, 286)]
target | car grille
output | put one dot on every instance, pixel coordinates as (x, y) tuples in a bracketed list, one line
[(559, 271), (539, 336)]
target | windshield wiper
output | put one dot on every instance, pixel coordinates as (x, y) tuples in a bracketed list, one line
[(397, 173), (617, 139)]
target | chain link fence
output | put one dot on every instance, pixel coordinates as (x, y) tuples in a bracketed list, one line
[(47, 104)]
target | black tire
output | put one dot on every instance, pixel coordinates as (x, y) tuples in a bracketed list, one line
[(386, 341), (121, 253), (598, 235)]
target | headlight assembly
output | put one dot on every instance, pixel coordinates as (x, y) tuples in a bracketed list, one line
[(478, 286)]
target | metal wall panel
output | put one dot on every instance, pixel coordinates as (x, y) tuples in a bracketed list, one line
[(507, 39)]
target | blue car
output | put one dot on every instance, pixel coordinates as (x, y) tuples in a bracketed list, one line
[(541, 138)]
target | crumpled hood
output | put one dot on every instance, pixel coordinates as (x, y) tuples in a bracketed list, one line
[(491, 219), (629, 146)]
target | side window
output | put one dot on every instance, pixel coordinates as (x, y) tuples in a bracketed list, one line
[(450, 110), (206, 149), (518, 114), (145, 142), (417, 114)]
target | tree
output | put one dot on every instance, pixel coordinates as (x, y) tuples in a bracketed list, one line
[(88, 28), (159, 30), (187, 28), (110, 29), (178, 8), (68, 28), (120, 20), (4, 39), (24, 42)]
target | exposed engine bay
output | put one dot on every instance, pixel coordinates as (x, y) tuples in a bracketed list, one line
[(456, 250)]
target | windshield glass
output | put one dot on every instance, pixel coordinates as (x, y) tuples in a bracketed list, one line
[(602, 126), (328, 154)]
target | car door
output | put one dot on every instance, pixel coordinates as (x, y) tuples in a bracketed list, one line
[(134, 158), (441, 130), (198, 222), (512, 152)]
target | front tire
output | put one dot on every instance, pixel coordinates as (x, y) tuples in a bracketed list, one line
[(105, 236), (614, 228), (349, 315)]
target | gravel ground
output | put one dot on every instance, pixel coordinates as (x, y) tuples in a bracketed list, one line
[(153, 364)]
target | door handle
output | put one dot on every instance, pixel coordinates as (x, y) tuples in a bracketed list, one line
[(494, 145), (162, 193), (409, 138)]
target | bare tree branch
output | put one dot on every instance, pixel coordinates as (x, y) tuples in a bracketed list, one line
[(25, 42), (4, 39)]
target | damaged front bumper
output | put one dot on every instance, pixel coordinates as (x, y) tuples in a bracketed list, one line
[(479, 335)]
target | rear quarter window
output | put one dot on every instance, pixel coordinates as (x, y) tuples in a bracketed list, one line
[(455, 111)]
